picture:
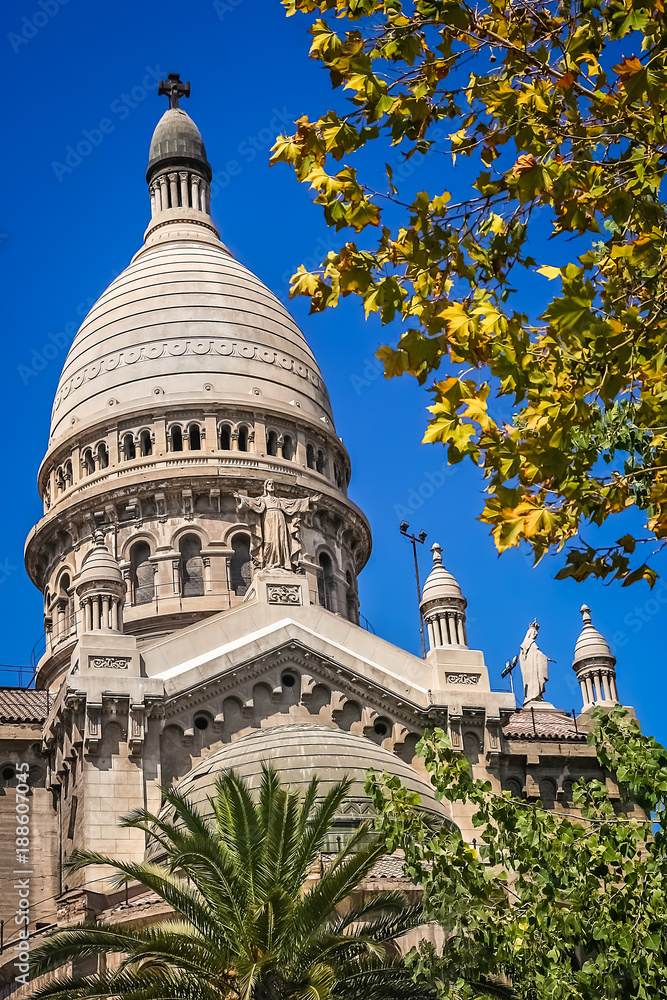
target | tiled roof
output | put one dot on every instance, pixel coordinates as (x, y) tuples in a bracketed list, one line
[(23, 705), (540, 725)]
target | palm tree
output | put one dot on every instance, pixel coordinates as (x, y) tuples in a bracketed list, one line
[(245, 925)]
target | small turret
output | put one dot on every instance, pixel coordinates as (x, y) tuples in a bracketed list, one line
[(101, 590), (443, 606), (594, 665)]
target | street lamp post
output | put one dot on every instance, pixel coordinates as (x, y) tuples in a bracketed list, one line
[(421, 538)]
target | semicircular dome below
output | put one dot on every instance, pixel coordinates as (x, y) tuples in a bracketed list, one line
[(297, 752), (186, 322)]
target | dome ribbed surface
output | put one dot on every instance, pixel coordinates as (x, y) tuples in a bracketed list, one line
[(297, 753), (99, 565), (185, 322), (440, 584), (591, 643), (176, 139)]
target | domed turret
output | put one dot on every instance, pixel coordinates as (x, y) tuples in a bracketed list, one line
[(594, 665), (100, 589), (443, 606)]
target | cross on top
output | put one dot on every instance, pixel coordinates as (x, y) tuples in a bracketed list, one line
[(174, 88)]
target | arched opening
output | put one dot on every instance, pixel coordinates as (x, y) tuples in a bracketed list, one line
[(146, 443), (325, 583), (142, 574), (103, 455), (240, 565), (88, 462), (350, 598), (192, 566), (176, 438), (471, 748), (514, 786), (243, 438), (65, 606), (310, 457), (548, 792), (272, 443), (321, 463), (129, 449), (225, 438), (67, 472), (288, 448), (194, 434)]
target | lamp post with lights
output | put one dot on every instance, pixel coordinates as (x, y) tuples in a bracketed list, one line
[(421, 538)]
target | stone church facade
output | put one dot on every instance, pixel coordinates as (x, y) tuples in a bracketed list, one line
[(198, 556)]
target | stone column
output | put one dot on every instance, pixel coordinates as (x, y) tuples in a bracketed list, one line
[(173, 191), (183, 177), (194, 193), (153, 208), (164, 193)]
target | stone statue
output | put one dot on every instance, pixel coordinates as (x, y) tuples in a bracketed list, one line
[(534, 666), (280, 545)]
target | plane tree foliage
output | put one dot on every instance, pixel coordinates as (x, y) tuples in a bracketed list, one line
[(570, 904), (545, 126)]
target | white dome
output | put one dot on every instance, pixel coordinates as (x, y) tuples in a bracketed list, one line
[(440, 584), (590, 642), (185, 322)]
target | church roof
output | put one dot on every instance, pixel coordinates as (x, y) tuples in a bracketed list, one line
[(23, 705), (541, 725), (300, 751)]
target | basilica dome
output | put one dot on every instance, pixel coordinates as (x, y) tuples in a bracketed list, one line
[(186, 322), (297, 752)]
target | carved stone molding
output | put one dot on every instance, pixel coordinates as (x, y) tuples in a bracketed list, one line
[(109, 662), (463, 678), (283, 593)]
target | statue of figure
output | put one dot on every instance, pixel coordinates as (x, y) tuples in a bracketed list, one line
[(534, 666), (280, 544)]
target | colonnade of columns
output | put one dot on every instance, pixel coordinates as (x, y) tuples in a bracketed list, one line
[(180, 189)]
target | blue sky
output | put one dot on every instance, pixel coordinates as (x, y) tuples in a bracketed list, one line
[(82, 75)]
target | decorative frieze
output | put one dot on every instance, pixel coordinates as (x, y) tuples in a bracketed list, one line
[(461, 678), (109, 662), (285, 593)]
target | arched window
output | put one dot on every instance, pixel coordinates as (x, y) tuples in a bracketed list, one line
[(64, 607), (103, 455), (240, 565), (288, 448), (88, 462), (225, 438), (325, 583), (471, 748), (514, 786), (67, 473), (243, 438), (272, 443), (146, 443), (194, 434), (176, 438), (143, 574), (129, 449), (192, 566), (310, 457), (351, 598), (321, 464), (338, 476), (548, 792)]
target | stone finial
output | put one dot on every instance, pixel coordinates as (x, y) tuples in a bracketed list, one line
[(98, 536), (437, 554), (586, 614), (594, 665)]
